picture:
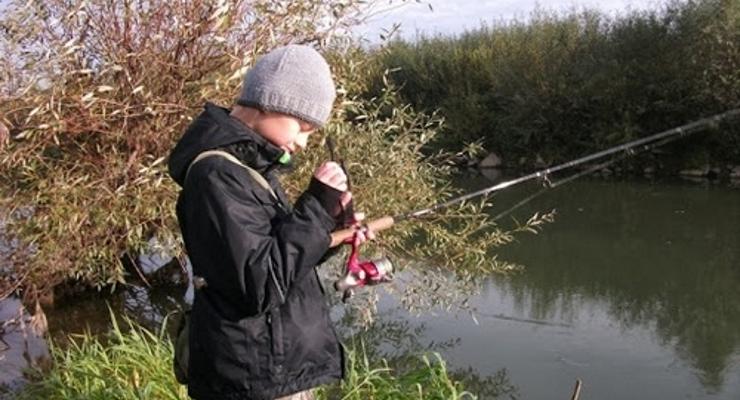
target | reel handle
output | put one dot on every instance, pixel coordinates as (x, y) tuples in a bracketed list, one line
[(348, 282), (376, 225)]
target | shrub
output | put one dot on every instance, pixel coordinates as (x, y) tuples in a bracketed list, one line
[(96, 92)]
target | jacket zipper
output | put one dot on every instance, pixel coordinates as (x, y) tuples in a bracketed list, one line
[(276, 338), (275, 281)]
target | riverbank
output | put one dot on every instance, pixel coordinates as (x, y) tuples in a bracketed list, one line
[(555, 87), (133, 362)]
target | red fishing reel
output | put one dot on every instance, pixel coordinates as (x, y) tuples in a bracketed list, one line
[(361, 273)]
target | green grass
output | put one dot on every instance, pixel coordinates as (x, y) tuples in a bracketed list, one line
[(133, 362), (425, 377)]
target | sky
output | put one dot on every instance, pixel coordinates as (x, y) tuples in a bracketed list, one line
[(455, 16)]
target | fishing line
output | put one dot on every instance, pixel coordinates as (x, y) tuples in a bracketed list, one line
[(629, 148), (548, 184)]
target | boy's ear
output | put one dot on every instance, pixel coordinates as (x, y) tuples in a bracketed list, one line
[(307, 126)]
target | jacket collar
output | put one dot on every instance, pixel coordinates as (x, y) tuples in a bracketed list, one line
[(252, 149)]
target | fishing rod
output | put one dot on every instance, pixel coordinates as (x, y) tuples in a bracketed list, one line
[(662, 138), (549, 184)]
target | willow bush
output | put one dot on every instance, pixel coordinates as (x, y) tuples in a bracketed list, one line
[(96, 92), (558, 86)]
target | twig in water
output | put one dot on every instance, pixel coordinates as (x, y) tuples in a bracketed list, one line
[(577, 390)]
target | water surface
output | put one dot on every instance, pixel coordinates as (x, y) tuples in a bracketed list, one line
[(635, 289)]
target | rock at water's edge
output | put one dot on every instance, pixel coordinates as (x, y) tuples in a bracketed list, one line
[(698, 172), (492, 160)]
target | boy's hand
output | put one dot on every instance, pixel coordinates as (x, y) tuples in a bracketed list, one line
[(330, 186), (363, 233), (332, 175)]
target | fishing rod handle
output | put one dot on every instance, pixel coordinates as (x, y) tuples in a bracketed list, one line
[(375, 225)]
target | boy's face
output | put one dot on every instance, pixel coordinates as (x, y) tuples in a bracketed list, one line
[(287, 132)]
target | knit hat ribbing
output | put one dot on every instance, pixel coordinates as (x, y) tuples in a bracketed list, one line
[(293, 80)]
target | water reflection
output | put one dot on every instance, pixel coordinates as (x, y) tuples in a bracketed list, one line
[(22, 347), (92, 312), (662, 257)]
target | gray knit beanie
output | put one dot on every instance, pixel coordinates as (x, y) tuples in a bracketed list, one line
[(293, 80)]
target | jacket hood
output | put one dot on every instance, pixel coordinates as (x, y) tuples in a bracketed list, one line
[(215, 128)]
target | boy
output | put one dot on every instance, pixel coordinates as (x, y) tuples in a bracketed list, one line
[(260, 326)]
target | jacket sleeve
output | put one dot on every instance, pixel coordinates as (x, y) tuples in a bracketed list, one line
[(266, 255)]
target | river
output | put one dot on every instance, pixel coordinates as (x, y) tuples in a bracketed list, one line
[(633, 289)]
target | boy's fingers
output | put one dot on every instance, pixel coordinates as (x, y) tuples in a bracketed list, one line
[(338, 180), (334, 182), (327, 167), (362, 233), (367, 233), (328, 164), (331, 174)]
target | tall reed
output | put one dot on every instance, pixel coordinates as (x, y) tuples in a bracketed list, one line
[(560, 85)]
